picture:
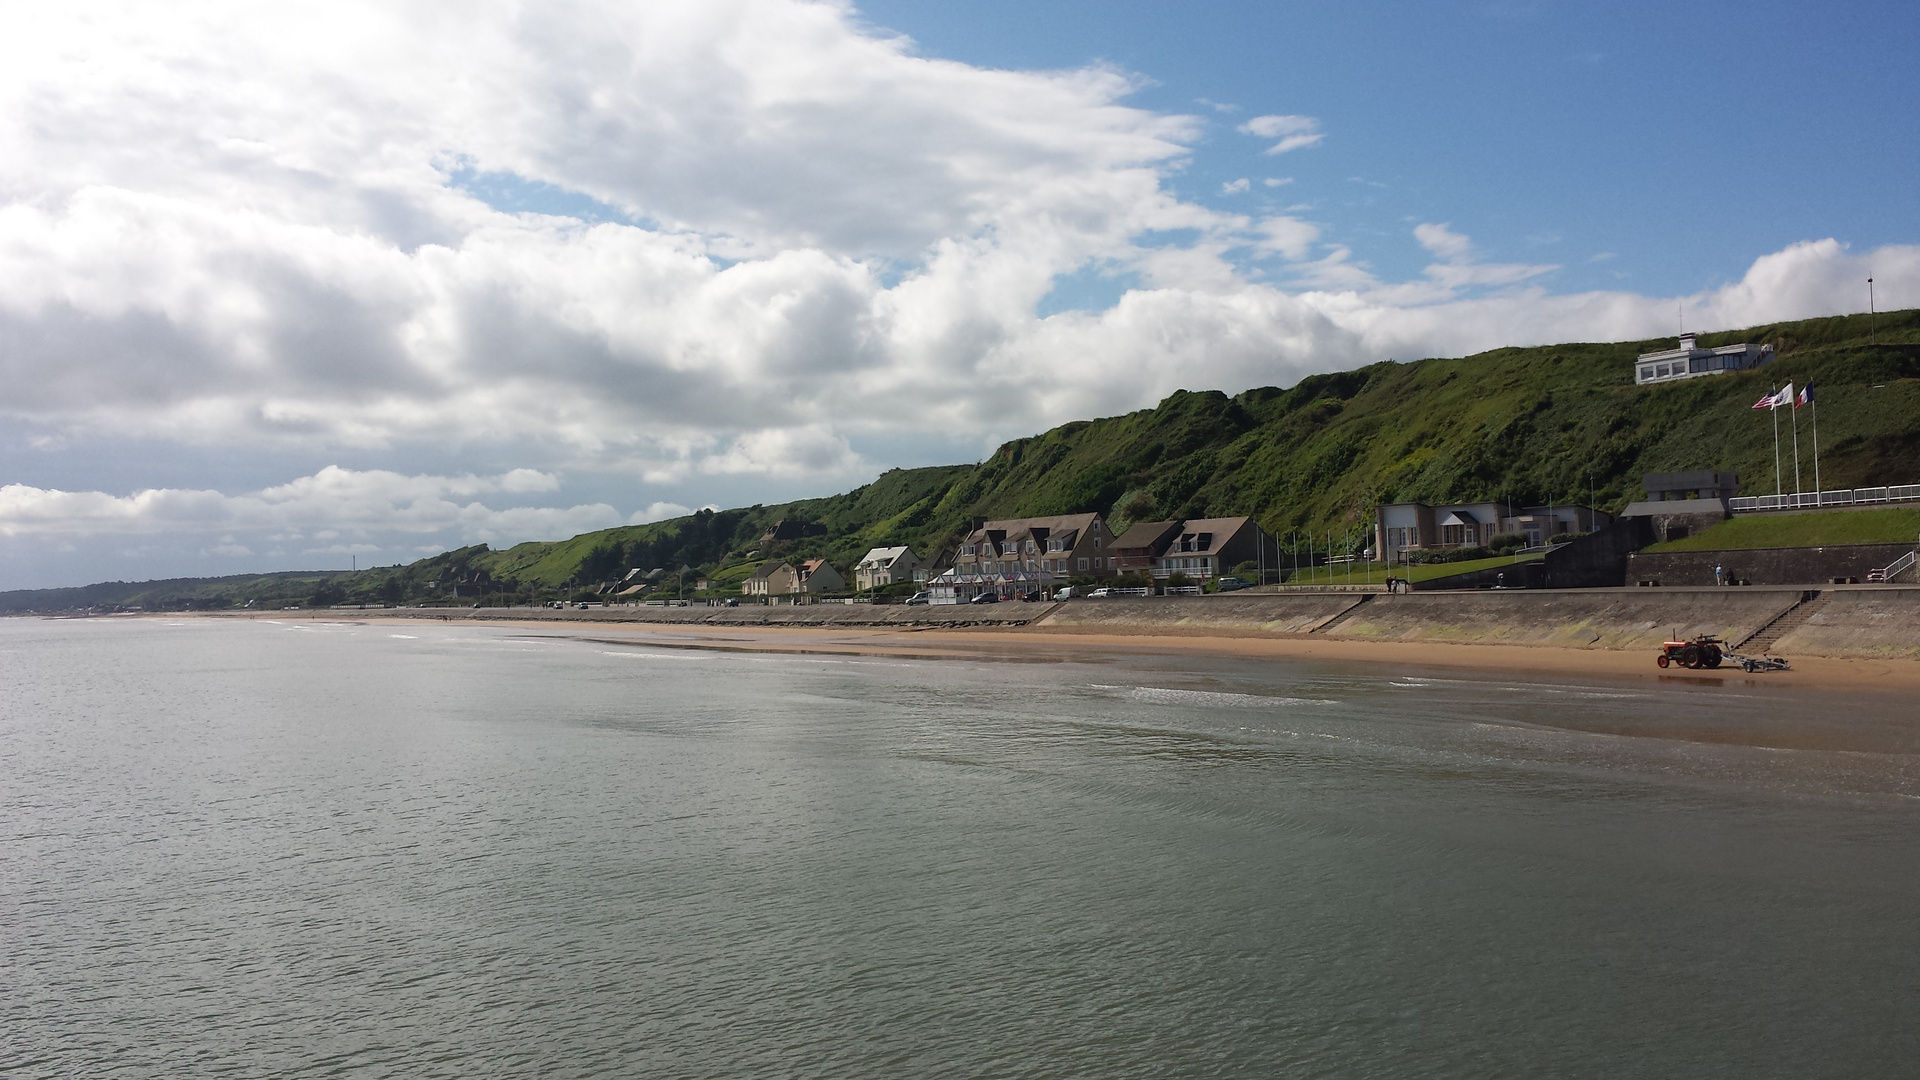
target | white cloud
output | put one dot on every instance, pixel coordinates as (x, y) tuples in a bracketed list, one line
[(1277, 181), (328, 504), (1294, 132), (1286, 236), (659, 511), (1443, 241), (1235, 187)]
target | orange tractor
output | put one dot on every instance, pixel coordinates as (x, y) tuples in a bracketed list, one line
[(1705, 651)]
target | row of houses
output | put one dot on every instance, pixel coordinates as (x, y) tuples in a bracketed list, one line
[(1015, 556), (877, 568)]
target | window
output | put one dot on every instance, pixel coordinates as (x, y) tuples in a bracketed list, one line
[(1031, 548), (966, 549), (1646, 373), (1096, 543), (1083, 564)]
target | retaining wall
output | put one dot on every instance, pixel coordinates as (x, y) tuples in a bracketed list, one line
[(1003, 614), (1867, 621), (1764, 566), (1287, 613)]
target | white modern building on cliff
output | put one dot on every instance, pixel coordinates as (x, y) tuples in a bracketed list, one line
[(1690, 362)]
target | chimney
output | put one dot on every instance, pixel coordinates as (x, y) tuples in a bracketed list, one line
[(1686, 341)]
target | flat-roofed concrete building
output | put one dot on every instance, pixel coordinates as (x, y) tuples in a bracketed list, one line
[(1679, 504), (1691, 362)]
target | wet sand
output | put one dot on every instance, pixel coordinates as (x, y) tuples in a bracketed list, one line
[(1893, 676)]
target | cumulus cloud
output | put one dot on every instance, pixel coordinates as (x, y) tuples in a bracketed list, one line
[(324, 506), (658, 511), (1294, 132)]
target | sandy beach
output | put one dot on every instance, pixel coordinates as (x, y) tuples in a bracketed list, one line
[(1890, 676)]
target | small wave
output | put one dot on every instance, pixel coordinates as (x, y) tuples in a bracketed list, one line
[(1160, 695), (405, 637)]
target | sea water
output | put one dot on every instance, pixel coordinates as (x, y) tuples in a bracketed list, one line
[(247, 848)]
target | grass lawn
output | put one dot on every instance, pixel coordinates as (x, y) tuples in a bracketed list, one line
[(1376, 573), (1815, 528)]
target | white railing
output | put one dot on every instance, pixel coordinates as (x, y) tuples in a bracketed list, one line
[(1899, 566), (1812, 499)]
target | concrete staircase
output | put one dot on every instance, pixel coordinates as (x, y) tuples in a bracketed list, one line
[(1785, 623)]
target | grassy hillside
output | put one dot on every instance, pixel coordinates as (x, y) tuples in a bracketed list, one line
[(1536, 424), (1883, 525), (296, 588)]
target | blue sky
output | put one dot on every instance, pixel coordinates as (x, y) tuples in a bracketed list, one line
[(285, 286), (1672, 143)]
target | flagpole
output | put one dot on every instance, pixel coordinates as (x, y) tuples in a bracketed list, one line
[(1775, 410), (1796, 451), (1814, 404)]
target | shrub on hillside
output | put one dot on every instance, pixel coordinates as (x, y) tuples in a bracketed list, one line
[(1427, 556)]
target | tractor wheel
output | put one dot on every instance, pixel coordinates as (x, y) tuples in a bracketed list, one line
[(1690, 656), (1711, 656), (1663, 659)]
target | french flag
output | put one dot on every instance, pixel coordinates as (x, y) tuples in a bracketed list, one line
[(1806, 396)]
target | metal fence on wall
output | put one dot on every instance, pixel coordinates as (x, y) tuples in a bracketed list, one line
[(1809, 500)]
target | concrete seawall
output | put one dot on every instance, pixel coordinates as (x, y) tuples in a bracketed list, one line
[(1878, 623), (1861, 621), (851, 615)]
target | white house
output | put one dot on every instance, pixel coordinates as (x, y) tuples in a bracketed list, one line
[(884, 566)]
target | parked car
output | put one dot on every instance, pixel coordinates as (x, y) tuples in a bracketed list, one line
[(920, 597), (1033, 597), (1066, 592), (1229, 584), (985, 598), (583, 605), (1100, 594), (732, 601)]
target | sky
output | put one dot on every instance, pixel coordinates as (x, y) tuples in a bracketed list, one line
[(308, 286)]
